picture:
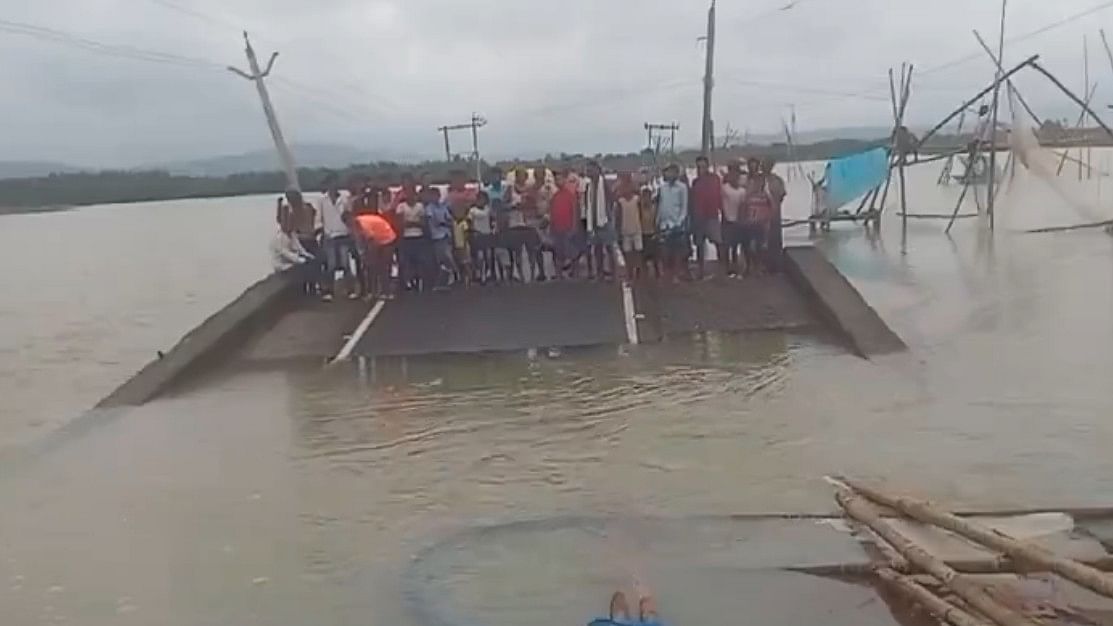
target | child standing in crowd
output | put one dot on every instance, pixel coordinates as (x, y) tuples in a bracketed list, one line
[(460, 249), (481, 238), (378, 238), (630, 225), (413, 250), (672, 223), (497, 193), (734, 195), (563, 212), (441, 229), (648, 215)]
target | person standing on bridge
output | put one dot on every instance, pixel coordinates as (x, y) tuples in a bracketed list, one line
[(777, 192), (413, 249), (630, 225), (598, 219), (334, 209), (672, 223), (734, 196), (497, 192), (378, 239), (563, 227), (707, 212), (441, 228)]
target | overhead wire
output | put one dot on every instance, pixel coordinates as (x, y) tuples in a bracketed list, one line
[(381, 101), (116, 50)]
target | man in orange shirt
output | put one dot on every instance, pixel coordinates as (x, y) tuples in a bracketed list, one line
[(377, 237)]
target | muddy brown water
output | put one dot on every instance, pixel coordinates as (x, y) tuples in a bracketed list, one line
[(297, 495)]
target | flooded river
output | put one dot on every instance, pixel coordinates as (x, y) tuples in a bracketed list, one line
[(295, 495)]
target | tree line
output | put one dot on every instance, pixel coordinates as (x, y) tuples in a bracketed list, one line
[(124, 186)]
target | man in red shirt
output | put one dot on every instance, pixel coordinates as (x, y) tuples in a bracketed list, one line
[(563, 222), (706, 212)]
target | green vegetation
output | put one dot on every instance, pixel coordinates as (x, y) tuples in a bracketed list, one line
[(108, 187)]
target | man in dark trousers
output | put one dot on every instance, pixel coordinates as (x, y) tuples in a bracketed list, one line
[(706, 213)]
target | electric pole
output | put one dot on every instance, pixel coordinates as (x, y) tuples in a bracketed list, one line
[(659, 130), (477, 122), (256, 76), (707, 143)]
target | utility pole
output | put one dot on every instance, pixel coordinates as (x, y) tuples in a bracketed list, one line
[(658, 130), (256, 76), (447, 146), (477, 122), (707, 142)]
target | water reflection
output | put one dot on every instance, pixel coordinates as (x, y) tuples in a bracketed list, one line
[(361, 409)]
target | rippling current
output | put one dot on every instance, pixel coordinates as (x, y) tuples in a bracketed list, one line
[(298, 495)]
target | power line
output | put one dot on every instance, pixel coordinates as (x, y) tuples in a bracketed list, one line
[(783, 8), (382, 100), (606, 99), (43, 33), (194, 13), (801, 89)]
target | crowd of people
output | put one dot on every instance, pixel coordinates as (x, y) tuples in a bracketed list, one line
[(532, 226)]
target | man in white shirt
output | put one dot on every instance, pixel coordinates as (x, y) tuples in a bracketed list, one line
[(286, 249), (334, 211)]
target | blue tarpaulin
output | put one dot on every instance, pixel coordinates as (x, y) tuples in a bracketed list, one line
[(850, 177)]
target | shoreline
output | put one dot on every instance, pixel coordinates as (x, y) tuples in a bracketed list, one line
[(804, 154)]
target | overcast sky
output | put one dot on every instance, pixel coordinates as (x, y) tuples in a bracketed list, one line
[(567, 75)]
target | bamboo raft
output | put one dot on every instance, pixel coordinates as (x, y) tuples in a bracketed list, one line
[(949, 590)]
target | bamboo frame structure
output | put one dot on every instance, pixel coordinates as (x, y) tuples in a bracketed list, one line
[(1007, 75), (1020, 551)]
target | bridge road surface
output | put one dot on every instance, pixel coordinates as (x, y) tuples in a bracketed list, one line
[(498, 319)]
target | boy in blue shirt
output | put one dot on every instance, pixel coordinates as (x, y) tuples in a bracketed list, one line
[(441, 228)]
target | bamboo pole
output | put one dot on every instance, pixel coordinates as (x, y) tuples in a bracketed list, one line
[(1077, 125), (973, 593), (939, 608), (997, 62), (1029, 61), (1084, 575), (990, 565), (994, 113), (906, 91), (1070, 94), (965, 188)]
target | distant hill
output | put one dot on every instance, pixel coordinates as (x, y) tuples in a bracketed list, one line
[(266, 160), (31, 169)]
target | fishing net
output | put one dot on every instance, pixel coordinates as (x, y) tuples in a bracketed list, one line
[(1038, 184)]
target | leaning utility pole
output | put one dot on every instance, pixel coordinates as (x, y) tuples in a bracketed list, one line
[(707, 142), (257, 77), (475, 124)]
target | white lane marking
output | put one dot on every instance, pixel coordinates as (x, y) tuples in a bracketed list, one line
[(630, 313), (346, 352)]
